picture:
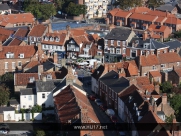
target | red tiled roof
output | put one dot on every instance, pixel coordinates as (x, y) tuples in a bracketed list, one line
[(61, 36), (155, 73), (178, 71), (123, 14), (3, 38), (17, 18), (155, 36), (160, 13), (132, 68), (15, 42), (144, 17), (28, 51), (80, 39), (142, 81), (6, 32), (149, 60), (21, 33), (160, 19), (173, 20), (114, 11), (22, 79), (153, 27), (31, 64), (37, 30), (140, 10), (168, 57)]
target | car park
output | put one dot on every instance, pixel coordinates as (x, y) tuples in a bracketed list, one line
[(110, 112), (103, 107), (92, 97), (98, 102)]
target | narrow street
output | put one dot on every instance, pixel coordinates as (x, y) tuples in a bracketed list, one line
[(103, 118)]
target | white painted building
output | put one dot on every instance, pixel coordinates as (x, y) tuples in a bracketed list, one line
[(28, 98), (9, 115)]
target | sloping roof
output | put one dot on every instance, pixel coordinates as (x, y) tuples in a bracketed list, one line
[(6, 109), (123, 14), (17, 18), (178, 71), (23, 79), (142, 81), (132, 68), (173, 44), (28, 91), (46, 86), (28, 51), (140, 10), (37, 30), (155, 73), (168, 57), (4, 31), (173, 20), (80, 39), (62, 38), (98, 72), (4, 6), (166, 7), (14, 102), (149, 60), (114, 11), (15, 42), (21, 33), (145, 17), (121, 34), (157, 28), (160, 13)]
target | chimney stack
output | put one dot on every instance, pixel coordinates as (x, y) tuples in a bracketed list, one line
[(164, 98), (161, 38), (145, 35), (1, 45), (55, 58), (44, 79), (40, 68)]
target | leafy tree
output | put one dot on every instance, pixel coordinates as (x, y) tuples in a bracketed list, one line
[(40, 11), (175, 102), (166, 87), (7, 77), (76, 9), (169, 119), (127, 4), (36, 108), (177, 34), (154, 3), (58, 4), (40, 133), (4, 94)]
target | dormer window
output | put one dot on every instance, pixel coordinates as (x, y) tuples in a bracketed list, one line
[(154, 67), (57, 39), (51, 39), (21, 55), (10, 55), (32, 79), (46, 38), (49, 76)]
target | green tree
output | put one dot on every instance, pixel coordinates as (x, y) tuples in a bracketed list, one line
[(166, 87), (7, 77), (58, 4), (40, 133), (4, 94), (175, 102), (75, 9), (154, 3), (177, 34), (36, 108), (127, 4)]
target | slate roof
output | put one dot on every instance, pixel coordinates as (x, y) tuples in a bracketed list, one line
[(6, 109), (46, 86), (112, 80), (33, 66), (121, 34), (152, 43), (14, 102), (4, 6), (166, 7), (98, 72), (27, 91), (173, 44)]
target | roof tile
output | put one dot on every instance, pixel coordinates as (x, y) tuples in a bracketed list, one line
[(37, 30)]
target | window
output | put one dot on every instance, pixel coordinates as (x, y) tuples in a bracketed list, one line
[(124, 50), (154, 67), (111, 50), (13, 65), (43, 105), (21, 55), (19, 64), (32, 79), (118, 43), (43, 95), (124, 43), (6, 65), (29, 98), (46, 38), (57, 39), (118, 51), (112, 41), (162, 65)]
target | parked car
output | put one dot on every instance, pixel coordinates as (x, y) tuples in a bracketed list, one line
[(92, 97), (110, 112), (103, 107), (98, 102), (114, 119), (3, 132)]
